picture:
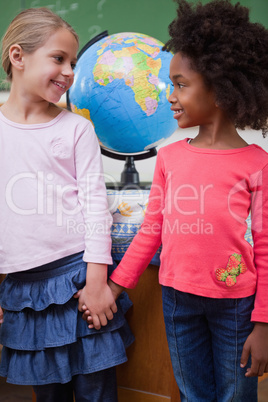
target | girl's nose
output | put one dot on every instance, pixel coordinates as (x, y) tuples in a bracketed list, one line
[(172, 98), (68, 71)]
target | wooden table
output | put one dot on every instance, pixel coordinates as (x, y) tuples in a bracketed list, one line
[(147, 376)]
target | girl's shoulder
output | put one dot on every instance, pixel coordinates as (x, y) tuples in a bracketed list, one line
[(259, 150), (173, 147), (75, 124), (257, 155), (253, 156), (78, 118)]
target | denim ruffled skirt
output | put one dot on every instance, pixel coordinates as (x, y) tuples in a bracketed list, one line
[(44, 338)]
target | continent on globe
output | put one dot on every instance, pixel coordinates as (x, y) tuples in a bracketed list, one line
[(122, 85), (139, 69)]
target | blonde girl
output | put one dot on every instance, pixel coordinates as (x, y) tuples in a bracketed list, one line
[(55, 225)]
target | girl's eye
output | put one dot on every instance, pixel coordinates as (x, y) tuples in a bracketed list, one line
[(177, 85), (58, 58), (73, 66)]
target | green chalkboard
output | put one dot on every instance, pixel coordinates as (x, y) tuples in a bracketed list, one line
[(90, 17)]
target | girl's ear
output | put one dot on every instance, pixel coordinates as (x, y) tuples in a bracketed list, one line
[(16, 56)]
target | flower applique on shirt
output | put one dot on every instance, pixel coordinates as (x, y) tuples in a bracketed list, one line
[(236, 266), (60, 149)]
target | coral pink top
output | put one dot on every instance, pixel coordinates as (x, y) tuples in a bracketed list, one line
[(53, 198), (198, 206)]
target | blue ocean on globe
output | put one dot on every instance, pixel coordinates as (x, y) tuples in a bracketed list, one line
[(122, 85)]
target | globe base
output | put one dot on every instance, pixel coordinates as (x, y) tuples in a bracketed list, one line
[(143, 185)]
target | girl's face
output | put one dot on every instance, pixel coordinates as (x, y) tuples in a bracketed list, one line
[(192, 102), (48, 71)]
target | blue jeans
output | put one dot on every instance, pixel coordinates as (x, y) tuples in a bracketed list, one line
[(206, 338), (99, 386)]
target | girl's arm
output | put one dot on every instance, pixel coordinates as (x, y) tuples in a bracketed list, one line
[(1, 315), (96, 297), (115, 288), (259, 227), (256, 344), (148, 239), (92, 197)]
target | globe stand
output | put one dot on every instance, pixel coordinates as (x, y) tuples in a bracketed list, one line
[(130, 173), (130, 176)]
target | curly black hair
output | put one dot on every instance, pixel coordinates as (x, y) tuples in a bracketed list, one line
[(230, 52)]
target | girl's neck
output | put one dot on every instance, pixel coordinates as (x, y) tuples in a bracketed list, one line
[(219, 137), (24, 111)]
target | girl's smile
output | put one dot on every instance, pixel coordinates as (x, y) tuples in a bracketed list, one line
[(60, 84), (177, 113)]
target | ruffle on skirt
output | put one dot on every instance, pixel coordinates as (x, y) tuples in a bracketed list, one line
[(44, 336)]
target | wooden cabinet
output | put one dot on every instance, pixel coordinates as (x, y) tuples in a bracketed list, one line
[(147, 376)]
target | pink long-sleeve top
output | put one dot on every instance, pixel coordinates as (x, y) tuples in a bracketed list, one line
[(52, 193), (198, 206)]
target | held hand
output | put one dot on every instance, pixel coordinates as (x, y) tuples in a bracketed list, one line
[(1, 315), (256, 345), (116, 291), (96, 297), (98, 304)]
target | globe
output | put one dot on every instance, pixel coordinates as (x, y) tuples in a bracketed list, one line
[(122, 85)]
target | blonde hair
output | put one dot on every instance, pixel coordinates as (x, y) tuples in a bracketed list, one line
[(30, 29)]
